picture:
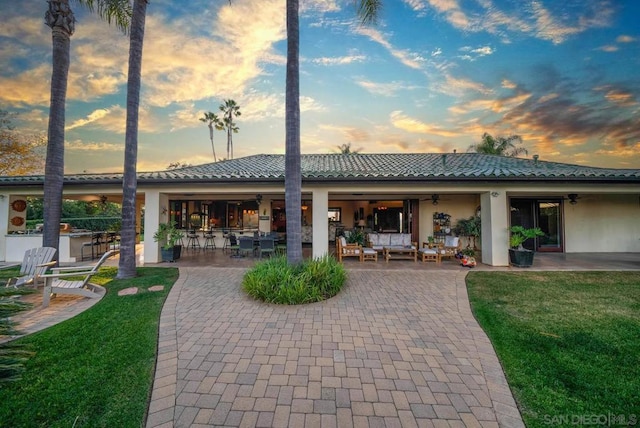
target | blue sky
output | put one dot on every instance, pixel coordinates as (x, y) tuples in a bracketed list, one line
[(432, 76)]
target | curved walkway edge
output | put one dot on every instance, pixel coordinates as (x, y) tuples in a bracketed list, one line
[(394, 348)]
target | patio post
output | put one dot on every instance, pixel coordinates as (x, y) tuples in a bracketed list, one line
[(152, 218), (495, 222), (320, 222)]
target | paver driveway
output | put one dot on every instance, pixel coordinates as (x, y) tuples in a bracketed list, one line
[(395, 348)]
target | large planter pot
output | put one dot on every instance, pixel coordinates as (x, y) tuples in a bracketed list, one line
[(521, 258), (172, 254)]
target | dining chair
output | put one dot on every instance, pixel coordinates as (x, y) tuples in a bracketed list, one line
[(267, 246), (246, 246), (232, 245)]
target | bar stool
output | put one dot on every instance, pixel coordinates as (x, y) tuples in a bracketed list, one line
[(225, 245), (209, 240), (192, 240)]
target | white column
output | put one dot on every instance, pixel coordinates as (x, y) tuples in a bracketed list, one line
[(320, 223), (264, 211), (495, 223), (152, 218)]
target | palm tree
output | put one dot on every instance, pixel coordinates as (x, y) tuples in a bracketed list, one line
[(368, 13), (212, 120), (346, 149), (127, 263), (293, 174), (501, 146), (60, 18), (230, 110)]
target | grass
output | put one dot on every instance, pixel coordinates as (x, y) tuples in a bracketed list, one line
[(276, 281), (96, 369), (568, 341)]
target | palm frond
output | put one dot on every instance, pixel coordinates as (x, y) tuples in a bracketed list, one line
[(368, 11), (117, 12)]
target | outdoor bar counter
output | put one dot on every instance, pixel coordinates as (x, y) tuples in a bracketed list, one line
[(70, 245)]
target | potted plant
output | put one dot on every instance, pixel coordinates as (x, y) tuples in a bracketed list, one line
[(471, 228), (357, 236), (169, 237), (518, 255)]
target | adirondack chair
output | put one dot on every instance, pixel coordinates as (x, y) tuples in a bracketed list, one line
[(35, 263), (74, 280)]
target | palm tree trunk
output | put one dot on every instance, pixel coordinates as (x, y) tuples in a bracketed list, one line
[(213, 148), (127, 263), (61, 20), (293, 177)]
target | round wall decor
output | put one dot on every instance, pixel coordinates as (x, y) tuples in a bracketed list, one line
[(19, 205), (17, 221)]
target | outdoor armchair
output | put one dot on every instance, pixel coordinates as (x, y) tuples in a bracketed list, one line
[(35, 263)]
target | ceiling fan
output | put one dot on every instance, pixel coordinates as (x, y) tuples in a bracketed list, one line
[(435, 199)]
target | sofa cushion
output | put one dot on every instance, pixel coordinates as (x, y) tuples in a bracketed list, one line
[(428, 250), (396, 239), (451, 241)]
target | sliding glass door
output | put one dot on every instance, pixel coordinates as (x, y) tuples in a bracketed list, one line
[(543, 213)]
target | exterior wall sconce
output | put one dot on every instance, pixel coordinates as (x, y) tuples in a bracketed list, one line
[(573, 198), (434, 199)]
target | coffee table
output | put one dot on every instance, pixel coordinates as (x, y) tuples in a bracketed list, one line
[(400, 253)]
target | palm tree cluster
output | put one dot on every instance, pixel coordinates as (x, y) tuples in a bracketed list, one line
[(230, 110)]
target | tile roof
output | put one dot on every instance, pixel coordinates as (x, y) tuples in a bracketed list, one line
[(339, 167)]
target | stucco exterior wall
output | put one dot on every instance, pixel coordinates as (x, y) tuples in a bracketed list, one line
[(603, 223), (457, 206)]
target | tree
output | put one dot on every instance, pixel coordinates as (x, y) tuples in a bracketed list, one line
[(213, 121), (127, 262), (20, 154), (60, 18), (346, 149), (230, 110), (501, 146), (368, 13), (293, 174)]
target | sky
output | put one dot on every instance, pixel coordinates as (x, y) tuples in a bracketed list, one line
[(431, 76)]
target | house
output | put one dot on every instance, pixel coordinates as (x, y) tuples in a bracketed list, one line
[(580, 208)]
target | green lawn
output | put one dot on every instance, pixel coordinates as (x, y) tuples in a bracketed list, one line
[(569, 342), (96, 369)]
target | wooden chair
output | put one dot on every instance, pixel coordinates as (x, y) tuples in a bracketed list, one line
[(450, 248), (347, 250), (35, 263), (74, 280)]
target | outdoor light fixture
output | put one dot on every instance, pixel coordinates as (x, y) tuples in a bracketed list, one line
[(573, 198), (434, 199)]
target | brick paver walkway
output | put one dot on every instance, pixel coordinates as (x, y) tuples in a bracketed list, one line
[(395, 348)]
